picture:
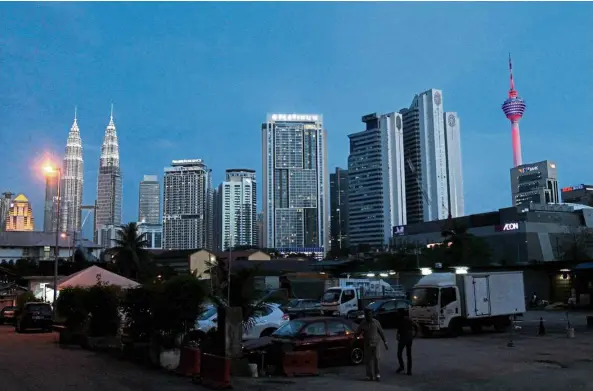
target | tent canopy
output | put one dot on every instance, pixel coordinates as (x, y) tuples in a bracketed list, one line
[(92, 275)]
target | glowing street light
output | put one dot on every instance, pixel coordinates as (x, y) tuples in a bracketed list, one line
[(50, 170)]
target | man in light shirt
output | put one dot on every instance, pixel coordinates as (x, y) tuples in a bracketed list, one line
[(373, 333)]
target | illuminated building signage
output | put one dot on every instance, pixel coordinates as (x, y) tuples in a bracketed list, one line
[(432, 245), (524, 170), (507, 227), (572, 188), (294, 117), (398, 230)]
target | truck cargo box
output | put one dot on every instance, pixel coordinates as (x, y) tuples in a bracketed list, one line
[(492, 293)]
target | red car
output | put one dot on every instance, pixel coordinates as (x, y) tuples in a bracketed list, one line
[(332, 338)]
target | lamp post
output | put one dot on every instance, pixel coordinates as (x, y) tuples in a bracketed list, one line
[(51, 170)]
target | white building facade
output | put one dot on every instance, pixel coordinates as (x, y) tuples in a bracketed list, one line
[(376, 181), (187, 209), (295, 184), (72, 183), (431, 157), (239, 208)]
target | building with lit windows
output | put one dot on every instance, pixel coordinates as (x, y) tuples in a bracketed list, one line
[(238, 195), (20, 215), (535, 183), (295, 184), (376, 181), (149, 200), (578, 194), (187, 205)]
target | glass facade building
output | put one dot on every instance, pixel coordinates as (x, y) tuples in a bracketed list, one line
[(149, 200), (295, 184), (109, 183)]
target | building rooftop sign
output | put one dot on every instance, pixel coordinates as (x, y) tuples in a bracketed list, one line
[(294, 117), (186, 161), (573, 188)]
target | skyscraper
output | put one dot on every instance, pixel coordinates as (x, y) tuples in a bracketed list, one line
[(109, 184), (514, 108), (338, 194), (376, 181), (535, 183), (20, 215), (217, 218), (295, 184), (72, 183), (50, 209), (149, 200), (5, 202), (186, 197), (239, 208), (432, 159)]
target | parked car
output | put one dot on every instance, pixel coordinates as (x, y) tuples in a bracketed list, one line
[(299, 308), (266, 320), (7, 314), (34, 315), (333, 338), (385, 311)]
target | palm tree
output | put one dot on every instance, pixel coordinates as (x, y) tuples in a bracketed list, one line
[(130, 255)]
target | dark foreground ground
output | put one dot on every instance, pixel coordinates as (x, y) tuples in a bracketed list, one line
[(34, 362)]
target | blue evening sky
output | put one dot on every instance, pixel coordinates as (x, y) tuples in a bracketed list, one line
[(195, 80)]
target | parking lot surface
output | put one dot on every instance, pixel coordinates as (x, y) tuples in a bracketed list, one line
[(34, 362)]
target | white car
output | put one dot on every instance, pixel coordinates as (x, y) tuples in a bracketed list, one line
[(267, 319)]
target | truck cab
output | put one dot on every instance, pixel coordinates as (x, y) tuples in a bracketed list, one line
[(435, 302), (340, 301)]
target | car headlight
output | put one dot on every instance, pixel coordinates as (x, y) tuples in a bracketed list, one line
[(360, 316), (335, 313)]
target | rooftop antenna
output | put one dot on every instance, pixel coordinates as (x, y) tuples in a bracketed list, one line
[(75, 113), (111, 115)]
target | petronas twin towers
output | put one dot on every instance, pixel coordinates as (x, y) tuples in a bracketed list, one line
[(109, 183)]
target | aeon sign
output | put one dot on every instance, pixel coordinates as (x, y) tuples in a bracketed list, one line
[(507, 227)]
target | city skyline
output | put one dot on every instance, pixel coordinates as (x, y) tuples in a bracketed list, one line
[(161, 123)]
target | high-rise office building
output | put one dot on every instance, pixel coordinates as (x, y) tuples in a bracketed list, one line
[(72, 182), (338, 194), (260, 230), (535, 183), (20, 215), (50, 208), (186, 197), (153, 233), (434, 180), (239, 208), (5, 202), (217, 218), (578, 194), (149, 200), (109, 184), (376, 181), (295, 184)]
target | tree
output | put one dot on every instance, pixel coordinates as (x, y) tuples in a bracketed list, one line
[(131, 258), (576, 248), (463, 248)]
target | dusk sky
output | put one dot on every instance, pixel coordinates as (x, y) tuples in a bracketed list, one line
[(196, 80)]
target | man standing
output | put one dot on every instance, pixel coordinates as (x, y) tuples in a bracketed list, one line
[(372, 330), (405, 336)]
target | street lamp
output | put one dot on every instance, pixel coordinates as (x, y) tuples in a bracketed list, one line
[(50, 171)]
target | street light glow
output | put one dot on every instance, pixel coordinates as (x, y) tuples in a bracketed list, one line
[(49, 169)]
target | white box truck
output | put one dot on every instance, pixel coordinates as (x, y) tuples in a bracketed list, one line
[(446, 302), (346, 295)]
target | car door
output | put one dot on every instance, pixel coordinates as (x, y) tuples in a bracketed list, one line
[(313, 337), (388, 313), (338, 340)]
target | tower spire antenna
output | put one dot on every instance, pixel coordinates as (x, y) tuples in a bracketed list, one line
[(512, 91), (75, 113), (111, 115)]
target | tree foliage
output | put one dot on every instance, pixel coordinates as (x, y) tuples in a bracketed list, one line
[(462, 248), (131, 258)]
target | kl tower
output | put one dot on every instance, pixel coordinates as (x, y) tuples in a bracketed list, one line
[(513, 108)]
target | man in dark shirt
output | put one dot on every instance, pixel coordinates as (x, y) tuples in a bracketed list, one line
[(405, 336)]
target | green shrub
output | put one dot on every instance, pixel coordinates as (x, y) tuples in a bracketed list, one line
[(138, 305), (70, 306), (102, 304)]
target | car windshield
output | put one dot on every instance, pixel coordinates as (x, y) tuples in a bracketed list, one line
[(425, 297), (210, 312), (289, 329), (331, 296), (293, 303), (43, 308)]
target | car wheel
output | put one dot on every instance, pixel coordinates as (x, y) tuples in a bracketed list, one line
[(356, 356), (267, 332)]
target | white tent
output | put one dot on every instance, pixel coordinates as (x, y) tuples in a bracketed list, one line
[(92, 275)]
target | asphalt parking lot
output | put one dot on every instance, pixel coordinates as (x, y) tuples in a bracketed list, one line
[(34, 362)]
